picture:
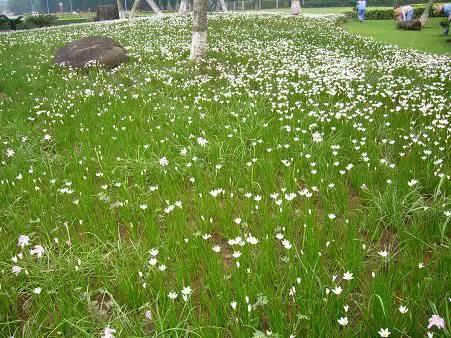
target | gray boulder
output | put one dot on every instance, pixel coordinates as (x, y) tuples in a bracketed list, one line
[(98, 50)]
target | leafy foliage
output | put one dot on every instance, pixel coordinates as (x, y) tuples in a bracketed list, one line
[(11, 23), (386, 13), (347, 3), (41, 20)]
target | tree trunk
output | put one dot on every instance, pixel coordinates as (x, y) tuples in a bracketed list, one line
[(199, 40), (295, 7), (135, 8), (223, 6), (425, 16), (154, 7), (107, 12), (120, 9), (183, 9)]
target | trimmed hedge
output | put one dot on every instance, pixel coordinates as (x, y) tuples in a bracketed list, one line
[(352, 3), (28, 24), (384, 13), (61, 22)]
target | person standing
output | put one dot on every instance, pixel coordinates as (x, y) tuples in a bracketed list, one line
[(404, 13), (361, 8), (445, 10)]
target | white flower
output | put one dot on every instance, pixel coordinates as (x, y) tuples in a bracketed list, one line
[(412, 182), (337, 290), (216, 248), (233, 305), (383, 253), (16, 269), (10, 152), (148, 315), (316, 137), (403, 309), (215, 193), (37, 290), (332, 216), (279, 236), (186, 290), (252, 240), (286, 243), (108, 333), (384, 332), (343, 321), (169, 209), (153, 252), (172, 295), (38, 250), (153, 261), (143, 206), (162, 267), (23, 241), (164, 161), (347, 276), (201, 141)]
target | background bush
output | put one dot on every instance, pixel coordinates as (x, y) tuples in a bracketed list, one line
[(41, 20), (9, 23), (384, 13), (352, 3)]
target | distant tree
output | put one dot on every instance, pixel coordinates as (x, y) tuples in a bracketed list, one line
[(3, 6), (183, 9), (295, 7), (135, 8), (425, 16), (199, 38), (121, 9), (151, 3), (24, 6)]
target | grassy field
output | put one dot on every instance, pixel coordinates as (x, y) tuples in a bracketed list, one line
[(430, 39), (296, 184)]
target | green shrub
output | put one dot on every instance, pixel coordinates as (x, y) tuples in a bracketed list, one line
[(386, 13), (41, 20), (12, 23), (352, 3), (68, 21)]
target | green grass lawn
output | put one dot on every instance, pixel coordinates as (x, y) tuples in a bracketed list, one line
[(295, 183), (429, 39)]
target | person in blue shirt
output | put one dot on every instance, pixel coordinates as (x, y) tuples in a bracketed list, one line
[(404, 13), (445, 10), (361, 7)]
